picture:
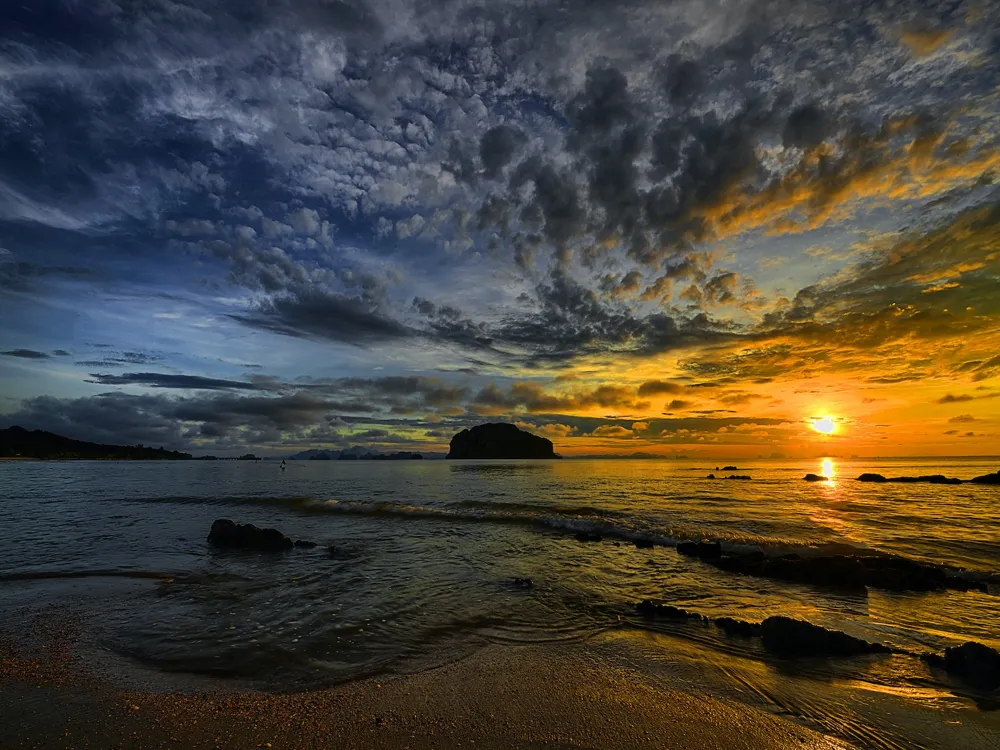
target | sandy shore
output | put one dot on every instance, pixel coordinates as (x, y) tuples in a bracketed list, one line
[(564, 695)]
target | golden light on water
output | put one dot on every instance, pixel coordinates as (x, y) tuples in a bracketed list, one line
[(827, 467), (825, 425)]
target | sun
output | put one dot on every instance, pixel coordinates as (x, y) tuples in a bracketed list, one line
[(826, 425)]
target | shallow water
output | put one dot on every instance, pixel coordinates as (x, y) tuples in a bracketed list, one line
[(425, 552)]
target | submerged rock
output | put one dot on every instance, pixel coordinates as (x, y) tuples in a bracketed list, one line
[(743, 477), (787, 637), (499, 440), (816, 478), (644, 544), (926, 479), (647, 609), (229, 535), (522, 583), (710, 476), (974, 664), (704, 549), (741, 628), (987, 479), (303, 544), (588, 536), (847, 572)]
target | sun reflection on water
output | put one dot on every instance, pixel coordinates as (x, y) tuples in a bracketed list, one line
[(827, 468)]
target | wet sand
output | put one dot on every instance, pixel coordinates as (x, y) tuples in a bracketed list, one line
[(564, 695)]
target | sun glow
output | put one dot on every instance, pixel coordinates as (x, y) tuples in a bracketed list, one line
[(826, 425)]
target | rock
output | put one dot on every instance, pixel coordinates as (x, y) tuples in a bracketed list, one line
[(816, 478), (929, 479), (787, 637), (740, 628), (974, 664), (987, 479), (229, 535), (869, 477), (588, 536), (643, 544), (303, 544), (846, 572), (332, 551), (522, 583), (710, 476), (704, 549), (499, 440), (739, 476), (926, 479), (647, 609), (729, 468), (836, 571)]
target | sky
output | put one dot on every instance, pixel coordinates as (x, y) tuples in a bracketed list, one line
[(678, 227)]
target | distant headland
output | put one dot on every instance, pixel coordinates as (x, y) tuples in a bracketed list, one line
[(499, 440), (17, 442)]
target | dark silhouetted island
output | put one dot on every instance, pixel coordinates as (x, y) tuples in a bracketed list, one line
[(499, 440), (17, 442)]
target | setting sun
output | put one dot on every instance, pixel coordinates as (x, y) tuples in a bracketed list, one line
[(826, 425)]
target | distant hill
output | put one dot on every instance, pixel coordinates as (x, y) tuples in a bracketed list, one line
[(359, 453), (18, 442), (499, 440)]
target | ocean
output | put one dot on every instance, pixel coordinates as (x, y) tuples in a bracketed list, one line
[(424, 554)]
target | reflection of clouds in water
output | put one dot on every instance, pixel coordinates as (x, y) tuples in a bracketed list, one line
[(500, 469)]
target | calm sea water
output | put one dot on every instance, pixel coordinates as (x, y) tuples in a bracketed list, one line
[(426, 550)]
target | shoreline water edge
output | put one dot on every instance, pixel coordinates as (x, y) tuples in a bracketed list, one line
[(505, 604)]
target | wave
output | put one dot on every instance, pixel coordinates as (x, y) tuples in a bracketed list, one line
[(46, 575), (742, 551)]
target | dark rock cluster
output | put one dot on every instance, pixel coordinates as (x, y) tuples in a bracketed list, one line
[(987, 479), (782, 636), (848, 572), (972, 663), (927, 479), (227, 534)]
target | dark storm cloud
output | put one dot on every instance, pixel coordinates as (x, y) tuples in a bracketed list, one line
[(115, 418), (805, 127), (574, 321), (25, 354), (321, 314), (497, 147), (427, 391), (167, 380)]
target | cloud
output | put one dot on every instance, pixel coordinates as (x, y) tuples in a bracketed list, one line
[(962, 418), (25, 354), (315, 313), (166, 380), (953, 399), (612, 431), (533, 398), (658, 387)]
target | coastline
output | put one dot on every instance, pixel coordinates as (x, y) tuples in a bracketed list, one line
[(540, 695)]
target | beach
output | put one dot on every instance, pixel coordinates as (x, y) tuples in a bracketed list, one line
[(566, 695)]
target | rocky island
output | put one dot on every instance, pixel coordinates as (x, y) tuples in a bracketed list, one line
[(499, 440)]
